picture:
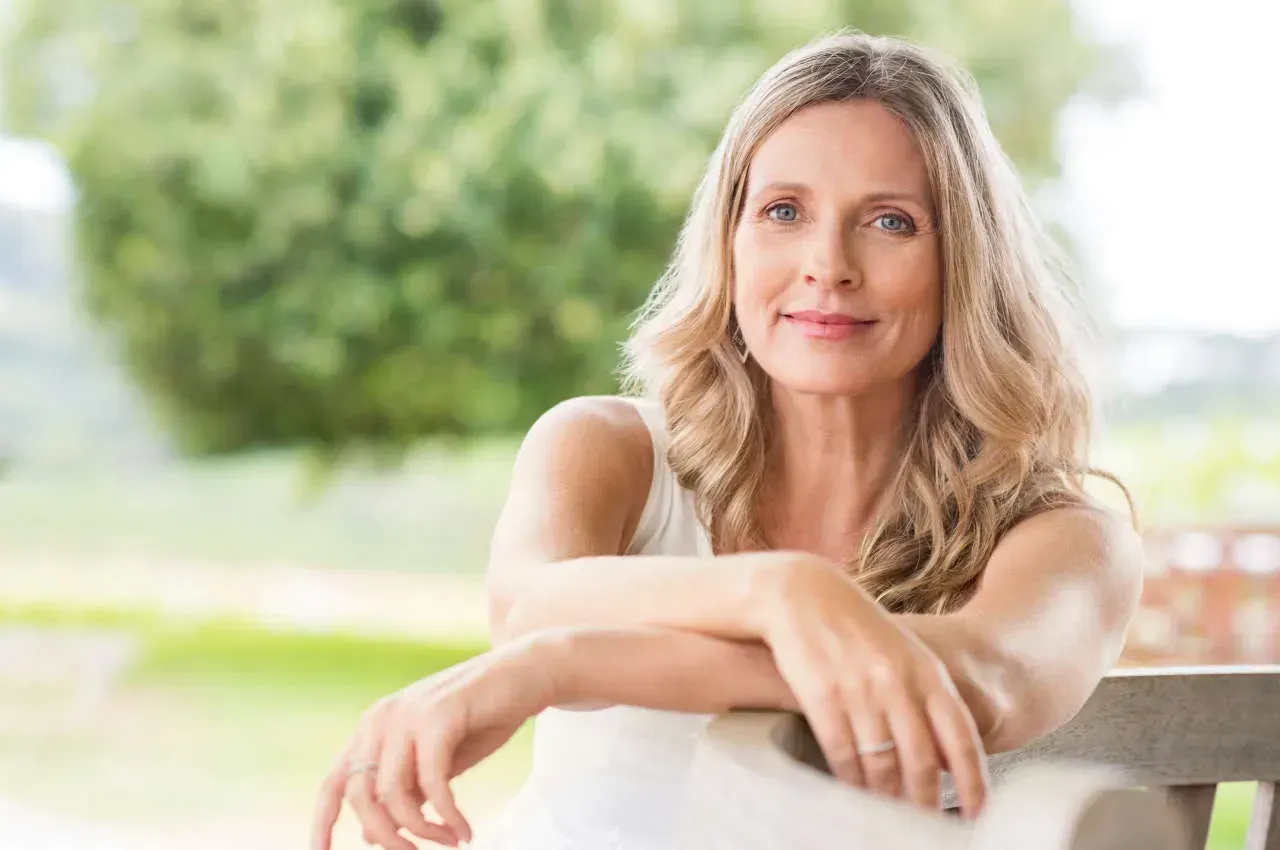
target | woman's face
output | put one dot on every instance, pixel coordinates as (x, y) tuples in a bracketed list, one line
[(837, 273)]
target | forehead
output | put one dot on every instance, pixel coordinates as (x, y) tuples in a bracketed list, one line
[(851, 147)]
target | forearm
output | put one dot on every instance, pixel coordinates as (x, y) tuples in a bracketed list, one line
[(709, 595), (699, 648), (658, 668), (676, 670)]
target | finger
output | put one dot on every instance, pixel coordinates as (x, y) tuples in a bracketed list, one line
[(376, 825), (871, 731), (397, 790), (961, 746), (918, 758), (329, 805), (829, 722), (375, 822), (433, 758)]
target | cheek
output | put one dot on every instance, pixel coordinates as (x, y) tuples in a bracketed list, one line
[(912, 289), (760, 271)]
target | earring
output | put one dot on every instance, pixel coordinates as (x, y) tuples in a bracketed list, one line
[(740, 344)]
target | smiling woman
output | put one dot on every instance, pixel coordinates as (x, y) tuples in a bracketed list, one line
[(852, 486), (838, 200)]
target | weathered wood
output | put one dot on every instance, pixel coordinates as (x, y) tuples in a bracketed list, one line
[(1264, 825), (759, 781), (1194, 804), (1074, 807), (1119, 819), (749, 790), (1174, 726)]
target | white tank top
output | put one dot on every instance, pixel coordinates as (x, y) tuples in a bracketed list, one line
[(614, 778), (669, 524)]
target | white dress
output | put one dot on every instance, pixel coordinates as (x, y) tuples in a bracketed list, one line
[(614, 778)]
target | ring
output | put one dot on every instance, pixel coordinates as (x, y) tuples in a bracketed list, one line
[(874, 749), (361, 766)]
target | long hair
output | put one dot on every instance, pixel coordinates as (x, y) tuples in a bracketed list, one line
[(1000, 429)]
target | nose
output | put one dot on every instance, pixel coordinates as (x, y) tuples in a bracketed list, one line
[(830, 261)]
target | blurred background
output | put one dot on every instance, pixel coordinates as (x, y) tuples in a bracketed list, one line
[(282, 282)]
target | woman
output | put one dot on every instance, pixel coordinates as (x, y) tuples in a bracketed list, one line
[(852, 486)]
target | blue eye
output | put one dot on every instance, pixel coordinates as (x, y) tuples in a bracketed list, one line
[(895, 223), (783, 212)]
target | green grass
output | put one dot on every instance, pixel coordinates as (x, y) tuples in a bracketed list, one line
[(1231, 815), (229, 654), (220, 721)]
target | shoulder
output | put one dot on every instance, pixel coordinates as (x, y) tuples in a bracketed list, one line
[(1088, 526), (607, 424), (1088, 542), (579, 486), (600, 438)]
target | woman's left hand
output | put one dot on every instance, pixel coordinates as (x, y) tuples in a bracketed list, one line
[(409, 746), (881, 704)]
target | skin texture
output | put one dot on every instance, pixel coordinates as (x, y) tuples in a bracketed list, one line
[(784, 628)]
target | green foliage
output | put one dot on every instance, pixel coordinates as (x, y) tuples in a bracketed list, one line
[(1223, 469), (344, 222)]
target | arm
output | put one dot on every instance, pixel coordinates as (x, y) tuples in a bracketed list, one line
[(577, 491), (663, 669), (578, 488), (1048, 621), (579, 485), (1024, 653)]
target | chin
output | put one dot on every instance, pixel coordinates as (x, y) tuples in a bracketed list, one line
[(827, 381)]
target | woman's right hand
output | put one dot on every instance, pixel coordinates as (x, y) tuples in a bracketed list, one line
[(410, 745), (881, 704)]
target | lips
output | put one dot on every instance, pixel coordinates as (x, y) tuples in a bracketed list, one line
[(818, 324), (821, 318)]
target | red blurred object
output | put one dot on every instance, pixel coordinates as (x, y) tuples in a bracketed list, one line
[(1211, 596)]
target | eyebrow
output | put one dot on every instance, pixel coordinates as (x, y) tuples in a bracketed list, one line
[(875, 197)]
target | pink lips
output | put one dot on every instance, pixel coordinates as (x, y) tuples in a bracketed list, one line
[(816, 324)]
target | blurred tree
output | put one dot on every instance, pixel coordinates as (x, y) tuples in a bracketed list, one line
[(336, 222)]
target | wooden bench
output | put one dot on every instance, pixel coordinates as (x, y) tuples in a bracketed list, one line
[(1136, 768)]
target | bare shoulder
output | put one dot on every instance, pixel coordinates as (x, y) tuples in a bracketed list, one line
[(1087, 527), (584, 468), (605, 433), (1064, 546)]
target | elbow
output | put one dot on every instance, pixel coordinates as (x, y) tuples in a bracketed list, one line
[(1036, 696), (500, 631), (992, 694), (512, 617), (1025, 705), (502, 610), (988, 682), (997, 688), (504, 624), (1008, 708), (1010, 716)]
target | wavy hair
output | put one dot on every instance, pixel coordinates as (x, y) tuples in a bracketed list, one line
[(1000, 428)]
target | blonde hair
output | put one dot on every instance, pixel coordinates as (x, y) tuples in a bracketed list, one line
[(1001, 425)]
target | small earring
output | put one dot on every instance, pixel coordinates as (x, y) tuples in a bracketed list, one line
[(740, 345)]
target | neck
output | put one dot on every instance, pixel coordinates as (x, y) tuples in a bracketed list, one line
[(832, 460)]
